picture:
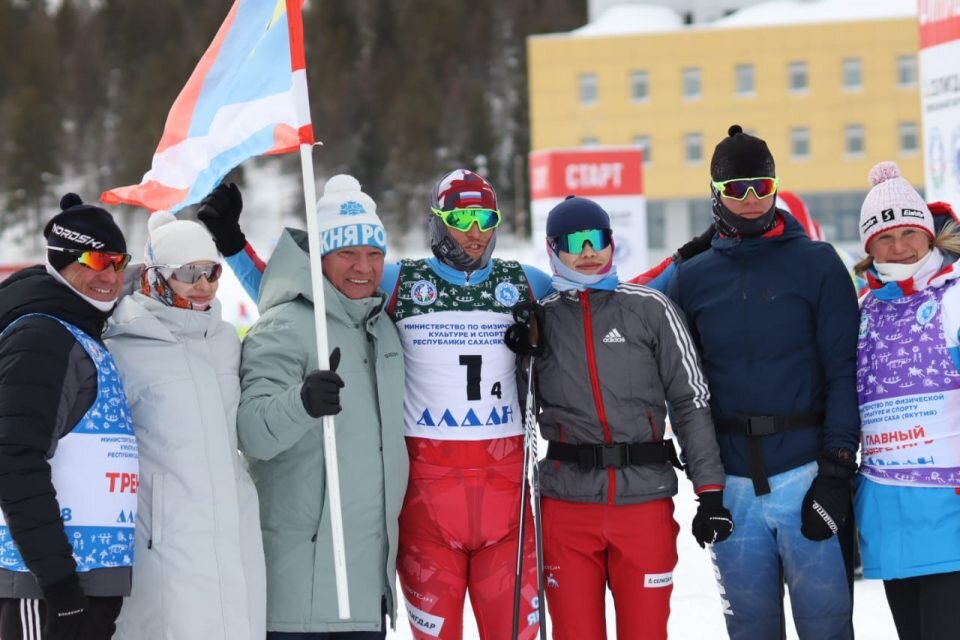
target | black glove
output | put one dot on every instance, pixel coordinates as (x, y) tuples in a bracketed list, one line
[(696, 245), (826, 507), (66, 610), (525, 336), (320, 391), (220, 214), (713, 522)]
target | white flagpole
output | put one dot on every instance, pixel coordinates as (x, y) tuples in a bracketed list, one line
[(323, 362)]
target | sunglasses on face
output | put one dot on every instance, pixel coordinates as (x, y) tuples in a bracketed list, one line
[(574, 243), (738, 188), (191, 273), (463, 219), (97, 260)]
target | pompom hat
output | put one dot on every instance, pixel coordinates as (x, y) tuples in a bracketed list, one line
[(741, 155), (347, 217), (81, 227), (891, 203), (171, 241)]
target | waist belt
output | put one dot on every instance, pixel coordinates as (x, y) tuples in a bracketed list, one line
[(616, 455), (755, 427)]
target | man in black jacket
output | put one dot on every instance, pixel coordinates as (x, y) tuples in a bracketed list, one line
[(68, 463)]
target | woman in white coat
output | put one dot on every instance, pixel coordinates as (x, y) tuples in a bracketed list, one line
[(199, 569)]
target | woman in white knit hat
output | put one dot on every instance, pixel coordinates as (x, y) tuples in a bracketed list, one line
[(199, 571), (908, 384)]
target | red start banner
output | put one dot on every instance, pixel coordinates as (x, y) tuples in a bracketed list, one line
[(586, 172), (939, 22)]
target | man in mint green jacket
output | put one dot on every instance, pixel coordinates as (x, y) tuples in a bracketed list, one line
[(283, 397)]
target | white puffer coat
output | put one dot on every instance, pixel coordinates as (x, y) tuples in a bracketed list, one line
[(199, 569)]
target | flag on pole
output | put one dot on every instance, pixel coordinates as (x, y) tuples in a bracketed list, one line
[(247, 97)]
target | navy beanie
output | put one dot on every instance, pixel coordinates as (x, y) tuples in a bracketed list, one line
[(741, 155), (81, 227), (576, 214)]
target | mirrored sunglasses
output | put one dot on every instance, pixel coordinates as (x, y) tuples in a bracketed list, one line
[(191, 273), (574, 243), (463, 219), (738, 188), (97, 260)]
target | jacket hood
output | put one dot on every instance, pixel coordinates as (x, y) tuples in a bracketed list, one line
[(141, 316), (33, 290), (287, 277), (787, 229)]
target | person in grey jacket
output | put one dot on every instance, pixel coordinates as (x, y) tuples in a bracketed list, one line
[(283, 395), (611, 355), (199, 572)]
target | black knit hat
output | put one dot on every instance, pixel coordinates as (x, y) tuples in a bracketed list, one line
[(741, 155), (81, 227), (576, 214)]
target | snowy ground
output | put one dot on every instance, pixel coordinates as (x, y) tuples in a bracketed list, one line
[(695, 608)]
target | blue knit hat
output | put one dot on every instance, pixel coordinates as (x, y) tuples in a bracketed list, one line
[(576, 214)]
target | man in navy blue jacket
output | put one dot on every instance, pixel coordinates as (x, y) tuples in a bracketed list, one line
[(775, 317)]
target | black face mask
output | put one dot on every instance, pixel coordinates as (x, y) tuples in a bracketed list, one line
[(449, 251), (730, 224)]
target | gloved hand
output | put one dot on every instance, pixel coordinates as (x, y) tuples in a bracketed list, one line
[(320, 391), (826, 507), (525, 336), (713, 522), (66, 610), (220, 214), (696, 245)]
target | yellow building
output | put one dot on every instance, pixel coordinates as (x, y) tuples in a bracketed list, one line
[(831, 98)]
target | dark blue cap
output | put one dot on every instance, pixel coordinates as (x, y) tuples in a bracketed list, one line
[(576, 214)]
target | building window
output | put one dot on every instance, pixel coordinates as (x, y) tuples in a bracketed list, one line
[(589, 141), (640, 86), (800, 143), (644, 143), (852, 74), (909, 142), (853, 140), (744, 80), (691, 83), (906, 71), (588, 88), (797, 74), (656, 225), (693, 147)]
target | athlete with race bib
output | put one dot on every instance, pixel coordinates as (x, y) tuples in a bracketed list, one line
[(459, 525)]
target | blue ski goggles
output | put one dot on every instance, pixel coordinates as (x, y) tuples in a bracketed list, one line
[(599, 240)]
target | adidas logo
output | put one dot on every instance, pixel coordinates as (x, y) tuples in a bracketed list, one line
[(614, 336)]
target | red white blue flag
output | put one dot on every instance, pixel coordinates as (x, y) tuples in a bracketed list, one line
[(247, 97)]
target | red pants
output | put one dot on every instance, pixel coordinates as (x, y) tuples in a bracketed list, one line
[(633, 547), (458, 531)]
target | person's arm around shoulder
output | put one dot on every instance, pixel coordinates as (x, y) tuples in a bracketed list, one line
[(279, 398)]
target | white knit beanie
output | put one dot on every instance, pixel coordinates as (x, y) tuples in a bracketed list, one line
[(347, 217), (173, 241), (892, 202)]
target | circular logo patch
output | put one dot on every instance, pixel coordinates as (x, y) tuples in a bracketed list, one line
[(506, 294), (423, 292), (926, 311)]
